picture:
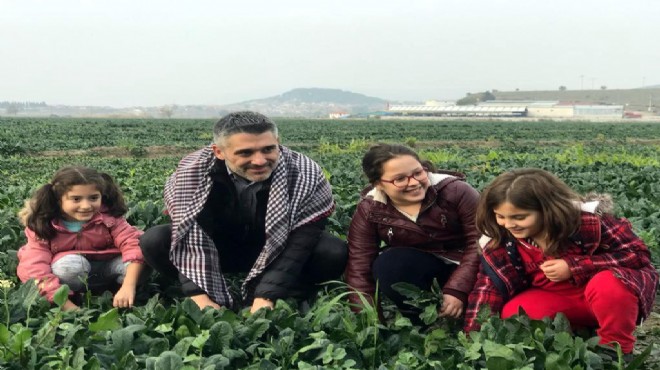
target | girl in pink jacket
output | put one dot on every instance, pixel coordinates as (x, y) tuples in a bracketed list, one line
[(77, 235)]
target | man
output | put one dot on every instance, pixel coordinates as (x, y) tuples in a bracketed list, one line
[(246, 204)]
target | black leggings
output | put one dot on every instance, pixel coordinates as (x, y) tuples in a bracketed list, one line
[(411, 266)]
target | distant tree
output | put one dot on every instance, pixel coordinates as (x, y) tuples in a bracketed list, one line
[(486, 96), (471, 99), (562, 88), (468, 100), (13, 108), (517, 89), (168, 110), (603, 87)]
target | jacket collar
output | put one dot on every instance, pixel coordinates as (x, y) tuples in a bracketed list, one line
[(97, 219)]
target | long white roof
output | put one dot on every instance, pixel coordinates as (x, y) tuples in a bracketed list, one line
[(456, 109)]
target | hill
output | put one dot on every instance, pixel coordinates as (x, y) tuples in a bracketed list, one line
[(632, 99), (312, 102), (318, 95)]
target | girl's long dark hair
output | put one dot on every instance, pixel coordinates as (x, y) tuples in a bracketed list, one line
[(531, 189), (44, 206)]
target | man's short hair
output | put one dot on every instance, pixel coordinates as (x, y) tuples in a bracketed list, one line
[(244, 121)]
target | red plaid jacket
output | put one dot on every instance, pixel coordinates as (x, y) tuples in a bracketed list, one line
[(602, 243)]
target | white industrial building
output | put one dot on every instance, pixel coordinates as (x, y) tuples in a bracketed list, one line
[(511, 108), (458, 111)]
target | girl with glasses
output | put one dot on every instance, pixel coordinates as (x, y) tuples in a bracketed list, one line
[(412, 224)]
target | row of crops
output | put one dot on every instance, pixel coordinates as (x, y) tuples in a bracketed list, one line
[(165, 332)]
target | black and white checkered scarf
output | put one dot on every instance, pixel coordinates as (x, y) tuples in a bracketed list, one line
[(299, 194)]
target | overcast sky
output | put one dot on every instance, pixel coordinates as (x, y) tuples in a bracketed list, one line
[(143, 52)]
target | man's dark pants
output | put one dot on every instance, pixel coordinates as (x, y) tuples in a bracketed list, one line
[(327, 261)]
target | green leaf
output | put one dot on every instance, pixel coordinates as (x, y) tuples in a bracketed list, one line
[(46, 333), (164, 328), (257, 329), (168, 361), (107, 321), (639, 360), (402, 322), (554, 361), (407, 290), (499, 363), (182, 347), (233, 354), (128, 362), (433, 342), (157, 346), (208, 318), (192, 309), (221, 335), (562, 340), (216, 362), (20, 340), (193, 327), (29, 293), (473, 352), (492, 349), (122, 339), (561, 323), (430, 314), (93, 364), (182, 332), (4, 334), (201, 339), (78, 360), (61, 295)]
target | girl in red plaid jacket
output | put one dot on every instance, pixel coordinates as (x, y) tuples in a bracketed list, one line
[(547, 251)]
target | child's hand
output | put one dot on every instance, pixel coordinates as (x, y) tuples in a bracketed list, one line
[(124, 297), (451, 306), (556, 270), (69, 306)]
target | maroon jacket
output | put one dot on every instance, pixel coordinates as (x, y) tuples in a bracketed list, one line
[(445, 227)]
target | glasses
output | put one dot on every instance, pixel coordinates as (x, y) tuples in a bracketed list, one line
[(403, 181)]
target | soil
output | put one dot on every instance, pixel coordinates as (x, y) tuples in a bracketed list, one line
[(648, 334)]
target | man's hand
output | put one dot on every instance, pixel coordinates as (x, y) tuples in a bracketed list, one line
[(451, 307), (556, 270), (261, 302), (204, 301)]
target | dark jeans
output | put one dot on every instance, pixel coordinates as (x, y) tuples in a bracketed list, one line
[(327, 261), (411, 266)]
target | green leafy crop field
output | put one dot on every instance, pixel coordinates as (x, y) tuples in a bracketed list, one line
[(167, 332)]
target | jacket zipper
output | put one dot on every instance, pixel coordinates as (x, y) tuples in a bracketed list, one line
[(390, 233)]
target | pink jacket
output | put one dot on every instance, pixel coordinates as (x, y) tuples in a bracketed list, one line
[(102, 237)]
